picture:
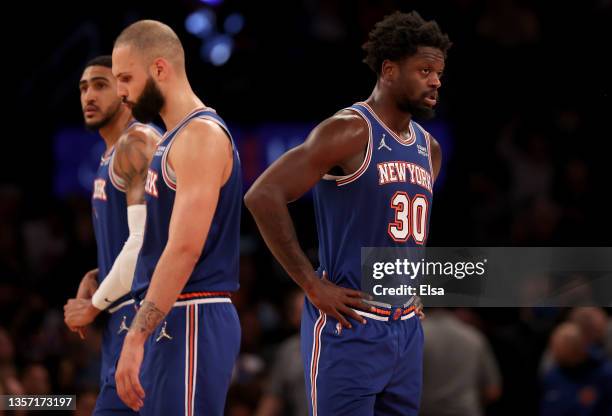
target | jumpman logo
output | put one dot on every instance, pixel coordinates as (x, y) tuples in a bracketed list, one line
[(123, 326), (383, 144), (163, 333)]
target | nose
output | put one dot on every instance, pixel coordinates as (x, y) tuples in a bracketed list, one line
[(89, 95), (434, 81), (122, 91)]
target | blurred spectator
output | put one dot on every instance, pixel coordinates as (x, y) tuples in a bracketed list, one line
[(35, 380), (580, 383), (285, 391), (460, 373), (85, 403), (594, 325)]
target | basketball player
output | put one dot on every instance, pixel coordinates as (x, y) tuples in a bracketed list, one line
[(178, 355), (118, 216), (372, 169)]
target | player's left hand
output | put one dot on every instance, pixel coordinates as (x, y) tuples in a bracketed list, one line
[(79, 313), (127, 377)]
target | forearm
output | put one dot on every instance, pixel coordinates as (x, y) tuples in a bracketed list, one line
[(118, 282), (169, 278), (276, 226)]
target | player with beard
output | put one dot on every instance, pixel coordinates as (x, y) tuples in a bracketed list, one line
[(118, 218), (180, 350), (371, 168)]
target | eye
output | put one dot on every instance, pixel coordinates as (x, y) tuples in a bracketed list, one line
[(425, 71)]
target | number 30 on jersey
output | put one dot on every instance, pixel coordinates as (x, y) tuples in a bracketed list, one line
[(410, 218)]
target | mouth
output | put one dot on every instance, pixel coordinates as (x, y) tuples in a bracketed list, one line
[(90, 111), (431, 100)]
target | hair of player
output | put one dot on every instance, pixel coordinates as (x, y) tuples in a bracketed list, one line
[(102, 60), (153, 40), (399, 35)]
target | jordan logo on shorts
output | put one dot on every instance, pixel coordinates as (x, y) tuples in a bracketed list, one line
[(123, 326), (383, 144), (163, 333)]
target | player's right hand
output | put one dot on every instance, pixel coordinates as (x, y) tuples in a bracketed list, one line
[(88, 285), (336, 301)]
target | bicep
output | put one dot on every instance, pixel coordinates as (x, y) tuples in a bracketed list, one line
[(199, 167), (298, 170), (294, 173)]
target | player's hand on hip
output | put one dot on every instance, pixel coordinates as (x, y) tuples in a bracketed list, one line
[(88, 285), (127, 377), (336, 301), (79, 313)]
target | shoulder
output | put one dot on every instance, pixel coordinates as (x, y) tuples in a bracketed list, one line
[(344, 132), (201, 127), (345, 123), (138, 135)]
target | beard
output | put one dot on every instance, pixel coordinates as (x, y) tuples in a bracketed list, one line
[(416, 108), (149, 104), (108, 116)]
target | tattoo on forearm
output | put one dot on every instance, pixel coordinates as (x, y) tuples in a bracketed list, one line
[(147, 318)]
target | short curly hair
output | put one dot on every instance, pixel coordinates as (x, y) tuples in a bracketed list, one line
[(399, 35)]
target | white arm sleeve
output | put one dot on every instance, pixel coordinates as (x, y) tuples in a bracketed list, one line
[(118, 281)]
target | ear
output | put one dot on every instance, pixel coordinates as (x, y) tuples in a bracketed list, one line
[(160, 69), (389, 71)]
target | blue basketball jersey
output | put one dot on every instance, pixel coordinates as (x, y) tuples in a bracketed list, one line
[(385, 203), (217, 268), (109, 213)]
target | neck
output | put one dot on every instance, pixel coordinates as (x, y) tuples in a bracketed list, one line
[(384, 106), (115, 127), (178, 104)]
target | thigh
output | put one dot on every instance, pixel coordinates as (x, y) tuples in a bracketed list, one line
[(402, 395), (188, 363), (344, 368)]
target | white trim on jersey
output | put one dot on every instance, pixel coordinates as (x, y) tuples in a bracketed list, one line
[(167, 171), (404, 142), (346, 179), (195, 360), (315, 354), (200, 301), (187, 361), (427, 138), (381, 318), (121, 305)]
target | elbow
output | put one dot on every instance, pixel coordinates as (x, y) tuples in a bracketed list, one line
[(254, 199), (189, 253)]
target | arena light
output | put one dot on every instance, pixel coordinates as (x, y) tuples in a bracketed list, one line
[(217, 50), (212, 2), (233, 23), (200, 23)]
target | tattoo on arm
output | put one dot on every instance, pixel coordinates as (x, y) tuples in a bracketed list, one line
[(147, 318), (132, 165)]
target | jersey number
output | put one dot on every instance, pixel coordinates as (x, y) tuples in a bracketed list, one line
[(410, 217)]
